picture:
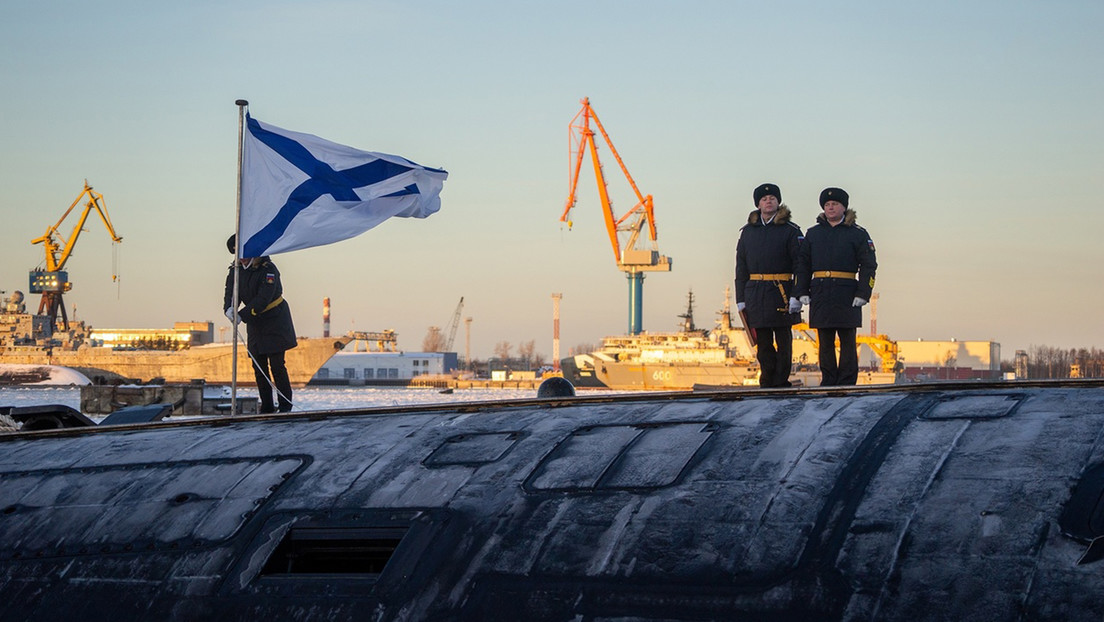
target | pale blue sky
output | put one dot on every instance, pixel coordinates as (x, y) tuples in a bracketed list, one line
[(969, 135)]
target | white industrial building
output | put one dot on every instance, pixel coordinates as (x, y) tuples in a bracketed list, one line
[(925, 360), (384, 367), (972, 354), (950, 359)]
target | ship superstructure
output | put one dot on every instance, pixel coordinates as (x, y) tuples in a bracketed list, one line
[(34, 332), (691, 357), (670, 360)]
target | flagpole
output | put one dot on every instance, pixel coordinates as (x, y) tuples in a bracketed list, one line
[(241, 104)]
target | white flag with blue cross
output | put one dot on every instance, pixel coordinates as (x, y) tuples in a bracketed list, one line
[(300, 191)]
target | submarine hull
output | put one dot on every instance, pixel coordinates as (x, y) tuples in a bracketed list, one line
[(925, 502)]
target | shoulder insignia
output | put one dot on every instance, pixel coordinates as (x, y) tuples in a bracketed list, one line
[(270, 278), (870, 243)]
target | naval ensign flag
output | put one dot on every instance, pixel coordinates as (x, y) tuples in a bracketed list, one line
[(299, 191)]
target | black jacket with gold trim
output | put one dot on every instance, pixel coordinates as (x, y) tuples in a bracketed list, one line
[(847, 248), (769, 249), (265, 312)]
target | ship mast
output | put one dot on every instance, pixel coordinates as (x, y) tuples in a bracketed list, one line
[(688, 317), (725, 323)]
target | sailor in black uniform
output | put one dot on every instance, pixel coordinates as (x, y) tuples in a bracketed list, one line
[(765, 259), (270, 329), (835, 276)]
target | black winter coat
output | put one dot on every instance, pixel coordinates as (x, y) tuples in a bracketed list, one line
[(270, 331), (847, 247), (767, 249)]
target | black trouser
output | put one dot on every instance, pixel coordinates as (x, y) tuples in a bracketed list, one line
[(279, 375), (774, 350), (846, 372)]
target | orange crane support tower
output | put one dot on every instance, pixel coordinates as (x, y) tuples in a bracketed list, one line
[(630, 257)]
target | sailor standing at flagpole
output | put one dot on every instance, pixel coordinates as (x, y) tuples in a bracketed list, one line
[(267, 317), (298, 191)]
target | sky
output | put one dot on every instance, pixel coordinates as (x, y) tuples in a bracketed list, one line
[(970, 136)]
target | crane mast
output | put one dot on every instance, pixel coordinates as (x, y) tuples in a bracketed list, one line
[(630, 256), (54, 280)]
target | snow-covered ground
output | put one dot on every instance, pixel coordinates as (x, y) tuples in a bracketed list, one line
[(57, 376)]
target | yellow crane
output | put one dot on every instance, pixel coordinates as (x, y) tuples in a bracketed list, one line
[(630, 257), (882, 346), (54, 280)]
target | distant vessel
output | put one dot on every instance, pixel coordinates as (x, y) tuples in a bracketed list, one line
[(32, 339), (689, 358)]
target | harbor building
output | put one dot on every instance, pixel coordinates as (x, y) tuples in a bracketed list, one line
[(384, 367), (950, 360), (375, 358), (181, 335), (919, 360)]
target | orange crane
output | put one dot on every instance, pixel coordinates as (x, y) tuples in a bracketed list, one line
[(54, 280), (631, 257)]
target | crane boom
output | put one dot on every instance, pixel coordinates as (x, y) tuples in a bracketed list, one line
[(54, 281), (630, 257), (581, 138), (453, 324), (58, 249)]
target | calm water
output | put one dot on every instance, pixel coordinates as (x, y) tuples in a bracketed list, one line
[(309, 398)]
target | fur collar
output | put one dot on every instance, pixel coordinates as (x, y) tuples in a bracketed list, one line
[(849, 218), (257, 264), (780, 218)]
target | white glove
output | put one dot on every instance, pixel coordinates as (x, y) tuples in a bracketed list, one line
[(230, 315), (795, 305), (740, 306), (804, 300), (857, 302)]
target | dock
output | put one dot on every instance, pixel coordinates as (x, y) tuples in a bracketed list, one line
[(436, 382)]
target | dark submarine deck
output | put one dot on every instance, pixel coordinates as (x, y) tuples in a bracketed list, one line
[(924, 502)]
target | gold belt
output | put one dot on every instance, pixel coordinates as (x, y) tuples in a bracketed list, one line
[(272, 305), (770, 277), (833, 274)]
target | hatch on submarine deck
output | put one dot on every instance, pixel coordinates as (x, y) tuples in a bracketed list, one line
[(920, 502)]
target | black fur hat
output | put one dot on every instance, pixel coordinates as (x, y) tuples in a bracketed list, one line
[(764, 190), (833, 194), (231, 242)]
